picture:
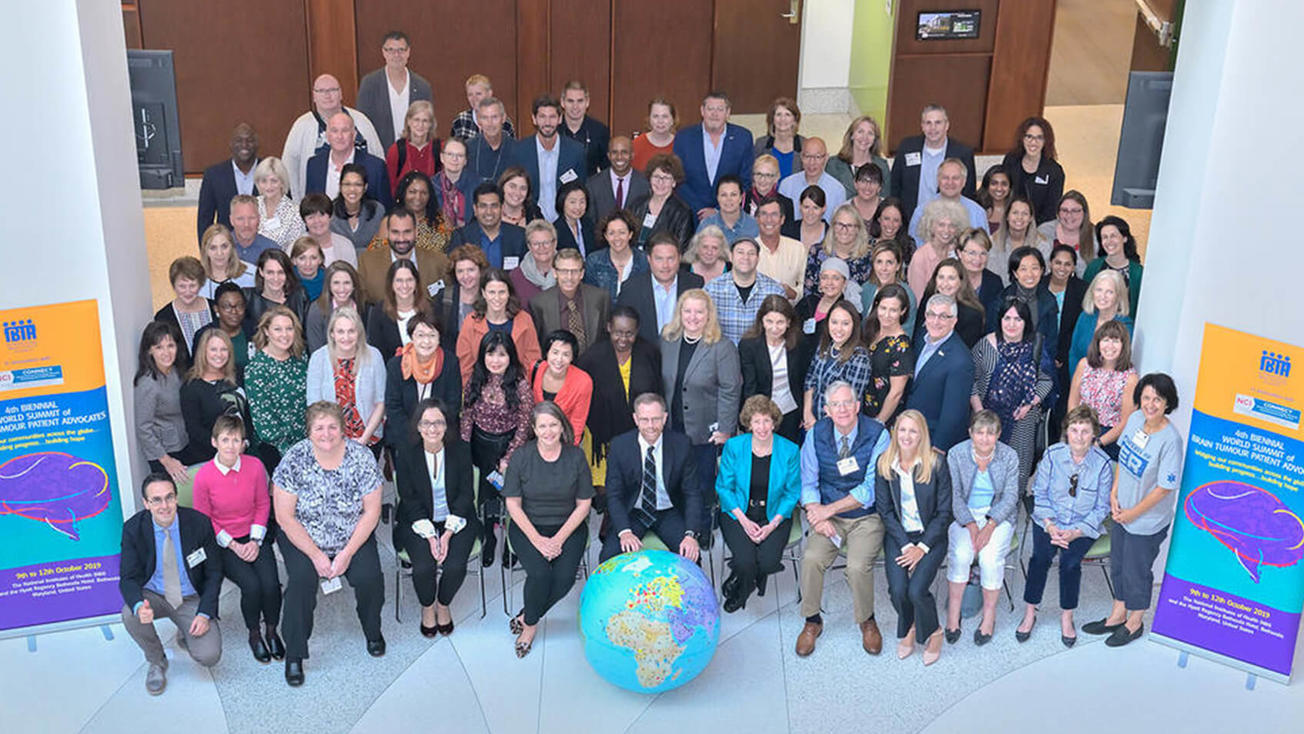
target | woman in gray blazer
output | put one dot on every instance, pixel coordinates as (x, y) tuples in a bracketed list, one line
[(702, 382), (985, 503)]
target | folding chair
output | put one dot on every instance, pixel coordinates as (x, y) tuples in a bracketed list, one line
[(403, 564)]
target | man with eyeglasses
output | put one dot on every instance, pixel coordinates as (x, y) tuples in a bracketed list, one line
[(171, 567), (710, 150), (782, 258), (571, 304), (838, 460), (308, 133), (385, 94), (814, 156), (943, 375)]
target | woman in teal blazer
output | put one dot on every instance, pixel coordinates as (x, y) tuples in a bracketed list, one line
[(759, 483)]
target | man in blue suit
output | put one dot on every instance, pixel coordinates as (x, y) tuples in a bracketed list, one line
[(711, 150), (943, 375), (324, 168), (503, 244), (550, 160)]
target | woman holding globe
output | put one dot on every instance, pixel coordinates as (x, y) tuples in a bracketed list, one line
[(548, 489)]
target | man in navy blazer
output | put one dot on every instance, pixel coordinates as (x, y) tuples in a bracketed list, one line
[(918, 157), (732, 153), (323, 168), (220, 183), (150, 589), (652, 484), (549, 159), (503, 244), (943, 375), (664, 281)]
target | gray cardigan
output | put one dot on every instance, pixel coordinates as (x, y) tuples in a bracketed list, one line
[(159, 425), (713, 386), (369, 382), (1004, 470)]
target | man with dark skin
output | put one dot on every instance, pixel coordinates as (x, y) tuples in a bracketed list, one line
[(619, 184), (228, 178)]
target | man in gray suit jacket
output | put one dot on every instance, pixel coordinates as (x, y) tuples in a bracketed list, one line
[(613, 188), (550, 308), (377, 95)]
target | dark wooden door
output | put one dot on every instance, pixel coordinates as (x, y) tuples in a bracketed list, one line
[(756, 52), (659, 49)]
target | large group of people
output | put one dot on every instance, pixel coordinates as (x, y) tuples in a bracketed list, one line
[(685, 332)]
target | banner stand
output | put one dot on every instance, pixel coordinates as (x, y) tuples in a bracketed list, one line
[(31, 633), (1251, 671)]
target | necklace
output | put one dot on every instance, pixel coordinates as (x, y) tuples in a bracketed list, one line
[(692, 340), (978, 459)]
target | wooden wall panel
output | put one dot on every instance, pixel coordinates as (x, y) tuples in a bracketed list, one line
[(661, 48), (1020, 68), (957, 82), (754, 77), (446, 47), (579, 47), (331, 49), (131, 24), (531, 59), (262, 78)]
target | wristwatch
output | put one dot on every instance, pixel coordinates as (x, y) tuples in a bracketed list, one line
[(690, 534)]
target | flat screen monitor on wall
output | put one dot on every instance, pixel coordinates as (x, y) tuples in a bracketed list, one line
[(1139, 144), (155, 119)]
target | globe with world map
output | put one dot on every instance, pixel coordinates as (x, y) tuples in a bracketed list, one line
[(649, 621)]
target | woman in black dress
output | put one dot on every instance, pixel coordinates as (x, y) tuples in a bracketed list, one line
[(891, 356), (774, 358)]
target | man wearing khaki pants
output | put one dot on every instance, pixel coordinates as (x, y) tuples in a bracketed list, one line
[(837, 492)]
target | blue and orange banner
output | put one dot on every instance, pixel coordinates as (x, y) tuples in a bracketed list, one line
[(60, 510), (1233, 587)]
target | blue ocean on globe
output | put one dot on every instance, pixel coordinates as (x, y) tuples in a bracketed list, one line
[(649, 621)]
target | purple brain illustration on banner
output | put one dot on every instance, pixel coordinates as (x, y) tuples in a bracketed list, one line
[(53, 488), (1251, 522)]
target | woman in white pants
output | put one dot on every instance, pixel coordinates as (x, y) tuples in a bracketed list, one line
[(985, 495)]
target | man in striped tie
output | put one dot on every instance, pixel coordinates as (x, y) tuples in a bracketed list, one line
[(652, 485)]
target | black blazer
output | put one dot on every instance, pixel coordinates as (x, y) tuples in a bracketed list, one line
[(377, 177), (184, 357), (1042, 188), (611, 412), (413, 481), (256, 306), (215, 193), (933, 498), (602, 197), (758, 378), (566, 239), (637, 294), (401, 397), (676, 217), (905, 178), (625, 480), (1073, 295), (138, 557), (513, 238), (382, 331)]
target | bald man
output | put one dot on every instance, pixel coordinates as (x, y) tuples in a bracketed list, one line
[(308, 134), (224, 180), (617, 185), (325, 168), (814, 155)]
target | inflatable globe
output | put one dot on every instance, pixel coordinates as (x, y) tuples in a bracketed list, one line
[(649, 621)]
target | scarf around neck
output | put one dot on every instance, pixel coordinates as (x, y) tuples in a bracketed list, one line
[(530, 270)]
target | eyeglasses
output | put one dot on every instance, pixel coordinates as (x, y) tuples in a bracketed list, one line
[(835, 404), (169, 499), (569, 271), (814, 156), (1067, 210), (331, 90), (1073, 486), (663, 178), (1034, 138), (764, 174), (845, 225), (938, 316), (430, 425)]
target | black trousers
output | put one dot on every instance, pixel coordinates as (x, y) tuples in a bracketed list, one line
[(790, 426), (1070, 568), (260, 588), (751, 560), (487, 449), (669, 527), (1132, 561), (547, 582), (424, 566), (301, 594), (912, 593)]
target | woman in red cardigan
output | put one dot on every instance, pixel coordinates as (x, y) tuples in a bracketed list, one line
[(232, 491), (497, 309), (557, 379)]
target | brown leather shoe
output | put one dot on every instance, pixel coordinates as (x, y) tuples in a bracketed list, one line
[(870, 638), (806, 640)]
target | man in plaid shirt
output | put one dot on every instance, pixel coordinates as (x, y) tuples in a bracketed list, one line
[(738, 293), (464, 125)]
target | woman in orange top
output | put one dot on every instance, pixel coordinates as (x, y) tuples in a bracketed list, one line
[(497, 309), (660, 136), (557, 379)]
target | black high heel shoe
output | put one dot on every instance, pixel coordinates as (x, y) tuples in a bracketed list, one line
[(1023, 636), (953, 635)]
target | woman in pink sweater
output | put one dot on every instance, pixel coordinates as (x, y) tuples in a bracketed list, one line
[(232, 490)]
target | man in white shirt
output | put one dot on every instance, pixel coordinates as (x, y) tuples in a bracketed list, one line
[(386, 93), (308, 133), (814, 156)]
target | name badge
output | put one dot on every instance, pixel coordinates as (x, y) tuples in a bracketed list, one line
[(912, 159), (330, 586), (196, 558), (435, 288), (1043, 180), (848, 465), (1140, 438), (272, 222), (808, 326), (649, 219), (568, 176), (511, 263)]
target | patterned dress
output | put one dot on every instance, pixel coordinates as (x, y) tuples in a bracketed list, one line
[(1007, 376), (329, 500), (277, 392), (346, 380), (1102, 389), (891, 356)]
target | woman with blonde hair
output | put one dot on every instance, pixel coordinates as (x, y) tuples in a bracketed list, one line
[(765, 184), (351, 373), (701, 375), (1106, 300), (912, 494), (1018, 230), (417, 148), (210, 391), (708, 253), (940, 226), (861, 145), (221, 263), (848, 240), (278, 214)]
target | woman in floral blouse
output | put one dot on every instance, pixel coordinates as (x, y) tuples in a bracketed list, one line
[(891, 357)]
